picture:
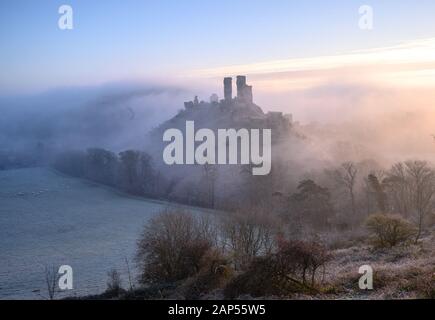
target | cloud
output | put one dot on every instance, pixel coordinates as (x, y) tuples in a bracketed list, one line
[(115, 116), (409, 63), (379, 101)]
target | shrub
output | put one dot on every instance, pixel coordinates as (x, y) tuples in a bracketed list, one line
[(282, 273), (249, 233), (172, 246), (306, 257), (114, 283), (215, 272), (260, 279), (389, 230), (426, 286)]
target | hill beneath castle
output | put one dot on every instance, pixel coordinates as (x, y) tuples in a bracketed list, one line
[(229, 113)]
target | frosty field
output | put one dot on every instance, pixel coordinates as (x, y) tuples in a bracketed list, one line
[(47, 219)]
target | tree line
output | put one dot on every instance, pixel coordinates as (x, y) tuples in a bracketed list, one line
[(340, 197)]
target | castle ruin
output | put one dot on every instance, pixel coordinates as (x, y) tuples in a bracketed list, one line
[(243, 99), (244, 94), (228, 90)]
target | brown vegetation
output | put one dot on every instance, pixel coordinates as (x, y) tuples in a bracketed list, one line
[(389, 230), (171, 247)]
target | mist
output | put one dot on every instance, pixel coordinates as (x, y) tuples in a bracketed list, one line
[(389, 124), (340, 121), (114, 116)]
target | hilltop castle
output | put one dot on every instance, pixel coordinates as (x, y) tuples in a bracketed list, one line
[(235, 112), (240, 110), (244, 94)]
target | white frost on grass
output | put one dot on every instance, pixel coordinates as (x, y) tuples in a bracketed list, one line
[(50, 219)]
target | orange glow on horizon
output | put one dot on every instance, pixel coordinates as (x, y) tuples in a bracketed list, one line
[(410, 64)]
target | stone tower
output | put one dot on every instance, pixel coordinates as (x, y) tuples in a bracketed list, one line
[(244, 92), (228, 89), (241, 84)]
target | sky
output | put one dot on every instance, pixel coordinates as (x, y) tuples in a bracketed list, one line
[(284, 44), (126, 66)]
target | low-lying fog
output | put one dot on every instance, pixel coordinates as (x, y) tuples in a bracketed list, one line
[(113, 116), (385, 124)]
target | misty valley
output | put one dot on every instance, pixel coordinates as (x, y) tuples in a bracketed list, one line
[(307, 211)]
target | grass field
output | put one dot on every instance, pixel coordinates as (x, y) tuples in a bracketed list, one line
[(47, 219)]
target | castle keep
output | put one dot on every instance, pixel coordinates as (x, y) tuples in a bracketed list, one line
[(228, 89), (241, 106), (244, 94)]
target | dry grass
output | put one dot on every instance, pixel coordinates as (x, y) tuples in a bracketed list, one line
[(405, 272)]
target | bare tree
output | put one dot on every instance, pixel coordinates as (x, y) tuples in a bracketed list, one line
[(346, 176), (130, 282), (412, 186), (260, 190), (51, 281), (210, 177), (249, 233), (423, 184), (399, 189), (129, 171), (375, 187), (171, 246), (311, 205), (101, 166), (114, 282)]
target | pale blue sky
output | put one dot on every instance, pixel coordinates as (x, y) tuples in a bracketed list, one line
[(116, 40)]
